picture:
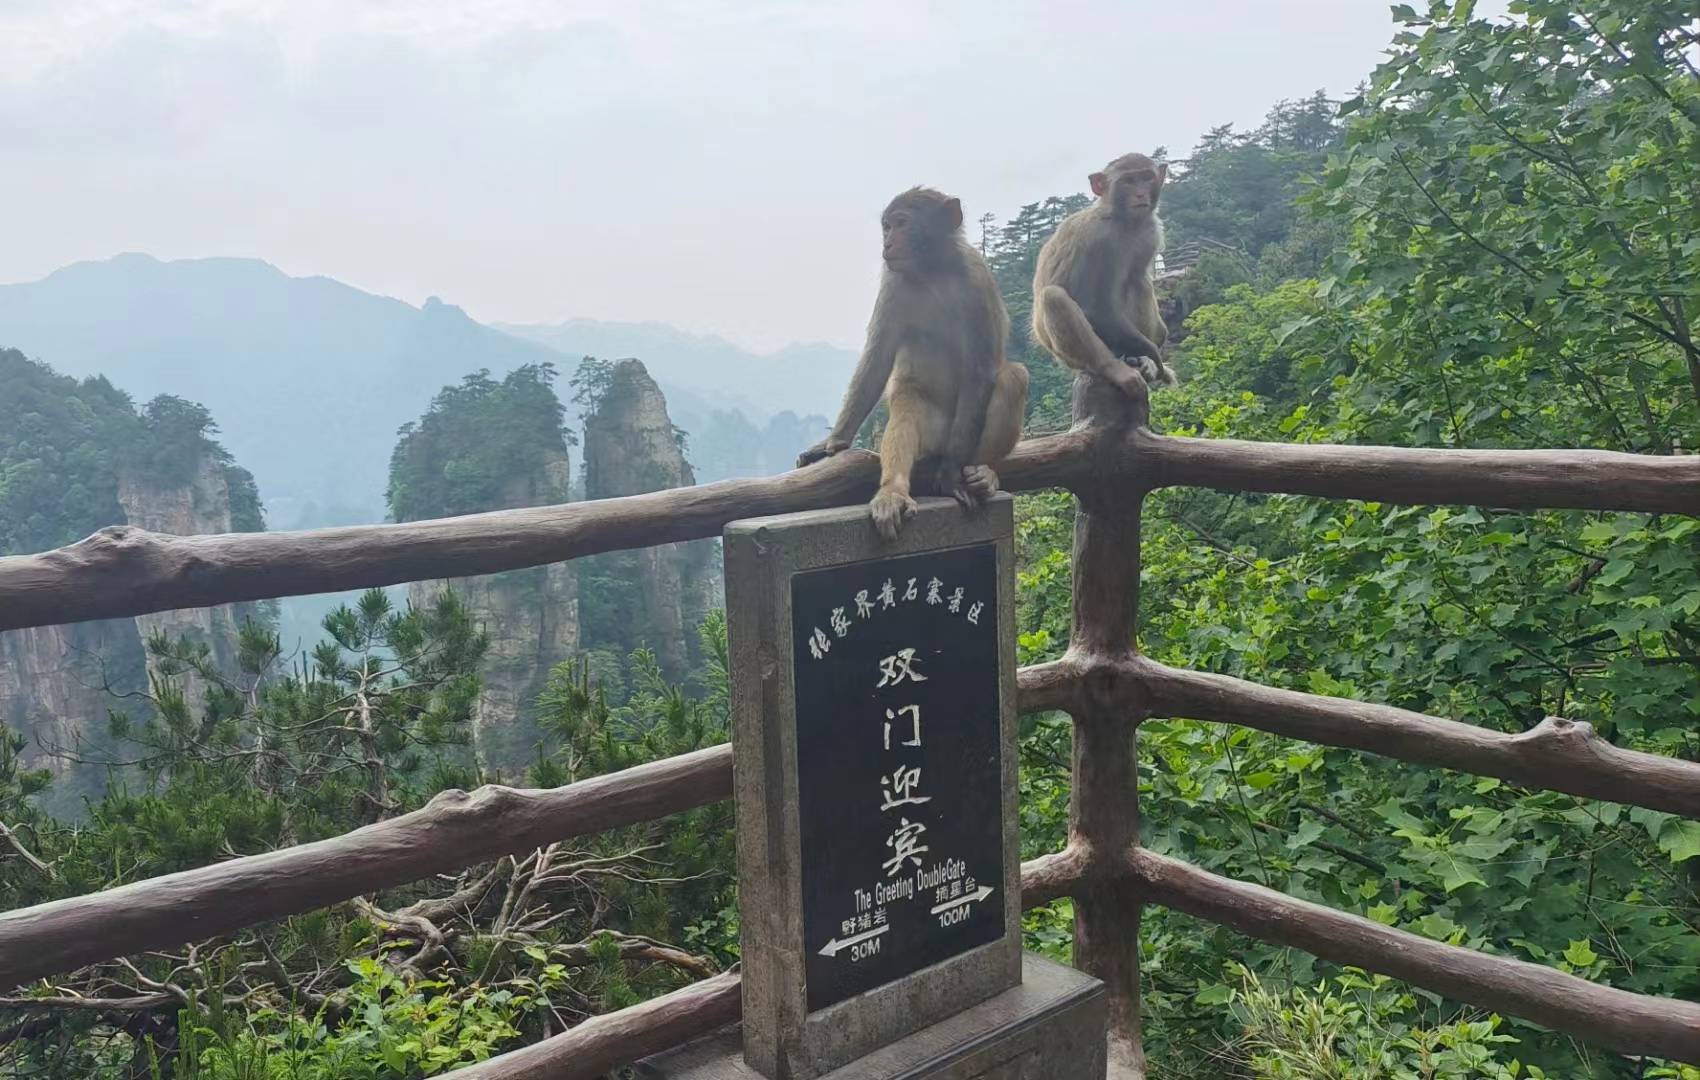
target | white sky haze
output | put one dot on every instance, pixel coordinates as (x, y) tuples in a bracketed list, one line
[(716, 165)]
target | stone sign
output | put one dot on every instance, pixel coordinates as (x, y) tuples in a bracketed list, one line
[(874, 698), (899, 765)]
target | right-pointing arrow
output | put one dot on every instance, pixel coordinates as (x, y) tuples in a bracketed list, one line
[(833, 947), (966, 898)]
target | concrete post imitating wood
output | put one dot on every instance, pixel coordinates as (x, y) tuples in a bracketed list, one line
[(1110, 460), (1104, 809)]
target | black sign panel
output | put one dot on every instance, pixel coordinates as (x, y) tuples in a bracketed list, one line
[(899, 772)]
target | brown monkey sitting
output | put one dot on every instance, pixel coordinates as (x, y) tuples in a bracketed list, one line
[(935, 348), (1093, 297)]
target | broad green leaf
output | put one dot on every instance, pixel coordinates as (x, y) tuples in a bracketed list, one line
[(1438, 927), (1616, 570), (1457, 873), (1680, 840), (1308, 830)]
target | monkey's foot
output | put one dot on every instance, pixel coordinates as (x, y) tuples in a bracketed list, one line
[(980, 483), (890, 509), (952, 479), (1130, 381)]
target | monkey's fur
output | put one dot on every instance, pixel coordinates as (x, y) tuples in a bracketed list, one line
[(1094, 303), (935, 348)]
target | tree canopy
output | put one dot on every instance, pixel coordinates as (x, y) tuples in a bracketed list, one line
[(475, 440), (64, 443)]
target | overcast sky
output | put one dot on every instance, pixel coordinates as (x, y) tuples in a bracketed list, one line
[(715, 165)]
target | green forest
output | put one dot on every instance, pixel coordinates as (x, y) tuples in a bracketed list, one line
[(1494, 242), (63, 443)]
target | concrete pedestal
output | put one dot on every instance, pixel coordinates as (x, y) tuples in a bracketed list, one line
[(1050, 1027)]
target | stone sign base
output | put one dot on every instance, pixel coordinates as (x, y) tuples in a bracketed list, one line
[(1050, 1027)]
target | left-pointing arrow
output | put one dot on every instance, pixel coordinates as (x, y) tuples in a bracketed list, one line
[(833, 947)]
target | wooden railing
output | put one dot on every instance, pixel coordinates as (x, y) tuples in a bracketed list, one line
[(1177, 260), (1110, 460)]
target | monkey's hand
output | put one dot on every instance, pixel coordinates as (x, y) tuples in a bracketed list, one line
[(1154, 372), (821, 451), (890, 509)]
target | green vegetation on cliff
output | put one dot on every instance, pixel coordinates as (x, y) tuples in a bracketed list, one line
[(64, 443), (475, 440)]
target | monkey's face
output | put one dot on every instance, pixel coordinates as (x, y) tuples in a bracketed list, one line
[(904, 239), (1131, 189), (918, 231)]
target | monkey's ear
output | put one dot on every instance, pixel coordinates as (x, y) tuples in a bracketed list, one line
[(1098, 185), (953, 213), (1162, 173)]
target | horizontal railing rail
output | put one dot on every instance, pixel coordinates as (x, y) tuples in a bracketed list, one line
[(1633, 1023), (1110, 460), (122, 570), (454, 830), (1555, 755), (1521, 479), (599, 1045)]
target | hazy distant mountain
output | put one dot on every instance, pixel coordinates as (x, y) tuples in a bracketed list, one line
[(802, 378), (310, 378)]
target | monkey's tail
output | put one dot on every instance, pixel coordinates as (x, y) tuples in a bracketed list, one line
[(1070, 336)]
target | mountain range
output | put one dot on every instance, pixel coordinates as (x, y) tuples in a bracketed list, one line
[(309, 378)]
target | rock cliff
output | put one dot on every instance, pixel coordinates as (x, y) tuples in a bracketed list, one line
[(202, 505), (632, 447), (531, 618), (57, 683)]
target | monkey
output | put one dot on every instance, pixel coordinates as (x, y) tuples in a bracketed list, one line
[(1093, 297), (935, 349)]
